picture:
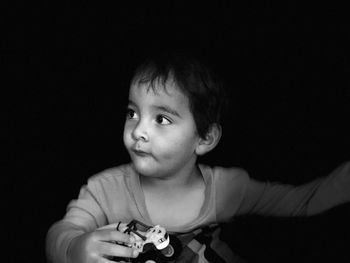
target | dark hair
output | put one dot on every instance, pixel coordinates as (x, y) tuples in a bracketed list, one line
[(194, 78)]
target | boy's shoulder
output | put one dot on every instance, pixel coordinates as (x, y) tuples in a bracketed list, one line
[(228, 179), (229, 186), (226, 173)]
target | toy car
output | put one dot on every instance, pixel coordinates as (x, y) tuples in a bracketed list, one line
[(145, 240), (153, 243)]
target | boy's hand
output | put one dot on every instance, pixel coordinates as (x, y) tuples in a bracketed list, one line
[(100, 245)]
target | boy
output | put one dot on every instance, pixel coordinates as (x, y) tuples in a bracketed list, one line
[(173, 117)]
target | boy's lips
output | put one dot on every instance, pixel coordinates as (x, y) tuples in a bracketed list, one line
[(140, 152)]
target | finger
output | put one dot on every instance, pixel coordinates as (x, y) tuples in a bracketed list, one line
[(104, 260), (119, 260), (115, 226), (115, 250), (121, 237), (115, 236)]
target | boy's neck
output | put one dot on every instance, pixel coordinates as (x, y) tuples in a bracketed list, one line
[(184, 180), (174, 201)]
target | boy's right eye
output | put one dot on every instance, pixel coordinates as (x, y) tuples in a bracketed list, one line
[(131, 114)]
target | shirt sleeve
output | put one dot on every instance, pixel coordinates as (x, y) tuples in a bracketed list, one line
[(274, 199), (83, 215)]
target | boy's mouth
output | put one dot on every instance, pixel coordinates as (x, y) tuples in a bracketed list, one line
[(140, 153)]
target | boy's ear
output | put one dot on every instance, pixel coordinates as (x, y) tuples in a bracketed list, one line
[(210, 141)]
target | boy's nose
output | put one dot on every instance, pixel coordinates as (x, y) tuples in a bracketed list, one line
[(140, 132)]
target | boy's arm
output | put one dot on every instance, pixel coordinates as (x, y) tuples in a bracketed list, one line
[(83, 215), (273, 199), (58, 240)]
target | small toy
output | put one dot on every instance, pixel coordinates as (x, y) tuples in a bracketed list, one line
[(153, 242), (145, 240)]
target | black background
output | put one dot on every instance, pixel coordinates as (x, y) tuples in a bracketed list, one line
[(68, 69)]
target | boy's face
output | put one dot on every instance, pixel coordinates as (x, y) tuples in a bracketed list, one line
[(160, 133)]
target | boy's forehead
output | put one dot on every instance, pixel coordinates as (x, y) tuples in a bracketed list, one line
[(159, 84), (165, 91), (158, 87)]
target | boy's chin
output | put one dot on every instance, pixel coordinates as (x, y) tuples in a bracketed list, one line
[(144, 169)]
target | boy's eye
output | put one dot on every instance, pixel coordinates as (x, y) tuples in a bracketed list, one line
[(131, 114), (160, 119)]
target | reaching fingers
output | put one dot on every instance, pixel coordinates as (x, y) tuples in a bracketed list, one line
[(116, 226), (120, 237), (115, 250), (110, 260), (115, 236), (104, 260), (114, 243)]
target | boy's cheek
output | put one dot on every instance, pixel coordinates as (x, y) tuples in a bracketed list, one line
[(127, 139)]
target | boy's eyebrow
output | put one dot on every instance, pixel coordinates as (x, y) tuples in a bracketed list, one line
[(160, 108), (131, 103), (167, 109)]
